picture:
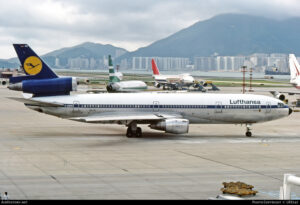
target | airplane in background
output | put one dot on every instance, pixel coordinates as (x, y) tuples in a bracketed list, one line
[(295, 71), (116, 85), (169, 112), (294, 80), (171, 81), (175, 82)]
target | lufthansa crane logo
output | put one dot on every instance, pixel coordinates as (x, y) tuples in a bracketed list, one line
[(33, 65)]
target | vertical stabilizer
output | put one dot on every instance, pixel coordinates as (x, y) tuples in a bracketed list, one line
[(294, 69), (33, 66), (112, 75), (154, 67)]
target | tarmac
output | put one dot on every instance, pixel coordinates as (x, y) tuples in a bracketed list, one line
[(45, 157)]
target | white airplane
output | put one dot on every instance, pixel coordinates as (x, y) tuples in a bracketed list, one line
[(169, 112), (172, 81), (295, 71), (294, 80), (116, 85)]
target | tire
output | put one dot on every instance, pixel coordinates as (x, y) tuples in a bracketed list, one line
[(248, 134), (129, 133), (139, 132)]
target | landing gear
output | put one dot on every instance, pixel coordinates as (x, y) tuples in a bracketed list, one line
[(133, 131), (248, 132)]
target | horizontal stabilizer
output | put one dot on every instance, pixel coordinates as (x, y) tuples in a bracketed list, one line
[(37, 102)]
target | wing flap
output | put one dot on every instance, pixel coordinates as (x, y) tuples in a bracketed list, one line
[(37, 102), (113, 117)]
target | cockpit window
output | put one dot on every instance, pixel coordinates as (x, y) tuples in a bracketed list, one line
[(280, 105)]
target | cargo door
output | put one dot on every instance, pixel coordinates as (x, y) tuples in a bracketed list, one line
[(268, 107), (155, 106)]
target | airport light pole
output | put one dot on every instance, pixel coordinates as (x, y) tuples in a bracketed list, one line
[(244, 83), (250, 89)]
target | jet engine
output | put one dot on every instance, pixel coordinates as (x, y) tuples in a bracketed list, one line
[(157, 85), (53, 86), (3, 82), (175, 126), (112, 87), (278, 95)]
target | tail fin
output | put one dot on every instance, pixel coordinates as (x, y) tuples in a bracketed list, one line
[(33, 66), (294, 68), (112, 75), (154, 67)]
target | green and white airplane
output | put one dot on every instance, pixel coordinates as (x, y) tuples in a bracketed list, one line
[(116, 84)]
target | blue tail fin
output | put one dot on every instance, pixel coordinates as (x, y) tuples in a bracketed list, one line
[(33, 66)]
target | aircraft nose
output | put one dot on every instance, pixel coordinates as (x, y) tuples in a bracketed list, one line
[(290, 110)]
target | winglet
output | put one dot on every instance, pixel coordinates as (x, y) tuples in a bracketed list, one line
[(154, 67)]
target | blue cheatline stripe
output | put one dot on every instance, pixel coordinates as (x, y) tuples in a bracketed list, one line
[(176, 106)]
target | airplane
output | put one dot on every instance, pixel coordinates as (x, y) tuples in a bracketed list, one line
[(295, 71), (171, 81), (294, 80), (174, 82), (116, 85), (169, 112)]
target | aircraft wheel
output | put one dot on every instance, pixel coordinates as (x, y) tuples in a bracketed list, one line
[(248, 134), (129, 133), (139, 132)]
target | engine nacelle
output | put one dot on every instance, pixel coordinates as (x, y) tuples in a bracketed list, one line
[(157, 85), (175, 126), (112, 87), (278, 95), (43, 87)]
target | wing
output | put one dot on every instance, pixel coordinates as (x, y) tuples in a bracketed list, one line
[(290, 93), (37, 102), (117, 117)]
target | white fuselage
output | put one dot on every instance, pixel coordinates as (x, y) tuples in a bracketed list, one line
[(197, 108), (294, 71), (132, 85), (183, 79)]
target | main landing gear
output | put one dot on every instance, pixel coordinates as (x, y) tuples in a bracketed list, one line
[(248, 132), (133, 131)]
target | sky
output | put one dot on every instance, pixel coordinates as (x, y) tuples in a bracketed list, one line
[(53, 24)]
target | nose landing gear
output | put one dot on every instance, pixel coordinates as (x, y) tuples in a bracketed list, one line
[(248, 132)]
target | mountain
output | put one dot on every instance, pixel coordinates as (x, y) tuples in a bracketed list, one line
[(8, 64), (228, 35), (85, 50)]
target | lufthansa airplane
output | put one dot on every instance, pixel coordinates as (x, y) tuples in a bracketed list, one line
[(169, 112)]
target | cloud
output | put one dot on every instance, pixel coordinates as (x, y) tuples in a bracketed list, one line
[(53, 24)]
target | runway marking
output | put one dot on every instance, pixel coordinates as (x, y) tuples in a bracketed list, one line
[(229, 165)]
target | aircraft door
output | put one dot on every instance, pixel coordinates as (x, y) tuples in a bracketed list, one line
[(155, 106), (268, 107), (76, 106), (218, 107)]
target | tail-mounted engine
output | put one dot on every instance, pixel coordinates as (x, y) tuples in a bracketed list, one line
[(46, 87)]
